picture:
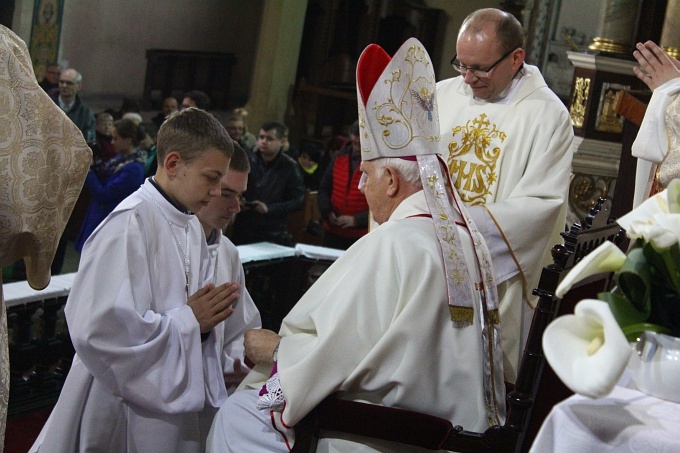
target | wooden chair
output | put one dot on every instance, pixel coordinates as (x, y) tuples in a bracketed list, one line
[(299, 220), (429, 432)]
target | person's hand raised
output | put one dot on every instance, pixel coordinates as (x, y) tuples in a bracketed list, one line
[(656, 66), (213, 304)]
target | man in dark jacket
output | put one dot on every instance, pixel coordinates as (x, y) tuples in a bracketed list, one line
[(275, 189), (70, 83)]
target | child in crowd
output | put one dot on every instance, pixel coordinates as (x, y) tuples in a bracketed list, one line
[(103, 128)]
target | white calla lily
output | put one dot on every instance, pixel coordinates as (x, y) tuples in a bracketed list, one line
[(587, 350), (606, 258), (654, 221)]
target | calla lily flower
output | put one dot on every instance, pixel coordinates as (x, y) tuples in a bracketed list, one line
[(587, 350), (656, 220), (606, 258)]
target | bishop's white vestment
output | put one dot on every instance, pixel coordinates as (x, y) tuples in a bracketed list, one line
[(510, 161), (375, 327), (651, 144), (141, 375)]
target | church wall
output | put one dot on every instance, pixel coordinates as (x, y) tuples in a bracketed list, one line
[(106, 40)]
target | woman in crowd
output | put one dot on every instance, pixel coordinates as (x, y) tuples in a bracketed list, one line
[(111, 181)]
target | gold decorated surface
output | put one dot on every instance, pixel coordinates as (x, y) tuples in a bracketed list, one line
[(670, 167), (585, 190), (476, 174), (607, 119), (577, 111), (463, 315), (610, 46)]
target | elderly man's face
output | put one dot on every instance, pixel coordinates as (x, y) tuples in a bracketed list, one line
[(481, 51), (68, 87), (374, 184)]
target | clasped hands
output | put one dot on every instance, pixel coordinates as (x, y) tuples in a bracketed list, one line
[(213, 304), (343, 221)]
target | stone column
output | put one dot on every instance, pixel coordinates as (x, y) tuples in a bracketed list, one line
[(616, 30), (670, 34), (278, 51)]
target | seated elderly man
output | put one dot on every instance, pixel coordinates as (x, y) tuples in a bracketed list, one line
[(416, 295)]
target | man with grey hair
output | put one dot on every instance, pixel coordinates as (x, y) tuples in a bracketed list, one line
[(507, 140), (68, 99), (70, 84)]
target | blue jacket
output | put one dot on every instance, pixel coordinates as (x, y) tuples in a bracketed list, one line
[(106, 195)]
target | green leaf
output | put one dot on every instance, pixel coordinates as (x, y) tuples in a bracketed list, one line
[(633, 331), (666, 262), (634, 280), (623, 310)]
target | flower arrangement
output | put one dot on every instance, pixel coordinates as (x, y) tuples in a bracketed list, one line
[(590, 349)]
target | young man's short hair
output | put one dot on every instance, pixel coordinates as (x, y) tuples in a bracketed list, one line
[(278, 128), (191, 132), (239, 161)]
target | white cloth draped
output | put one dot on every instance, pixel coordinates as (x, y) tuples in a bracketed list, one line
[(651, 143)]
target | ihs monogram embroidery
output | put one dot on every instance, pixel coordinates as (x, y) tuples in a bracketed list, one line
[(476, 175)]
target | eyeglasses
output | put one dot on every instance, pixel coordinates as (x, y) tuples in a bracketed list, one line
[(479, 73)]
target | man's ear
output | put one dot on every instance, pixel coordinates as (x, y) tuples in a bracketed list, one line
[(392, 181), (518, 59), (171, 163)]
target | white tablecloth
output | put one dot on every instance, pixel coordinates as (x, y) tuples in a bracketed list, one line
[(626, 420)]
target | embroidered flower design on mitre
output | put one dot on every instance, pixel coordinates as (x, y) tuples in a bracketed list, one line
[(401, 110), (406, 109)]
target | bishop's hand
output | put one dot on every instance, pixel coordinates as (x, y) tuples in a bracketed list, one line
[(260, 345)]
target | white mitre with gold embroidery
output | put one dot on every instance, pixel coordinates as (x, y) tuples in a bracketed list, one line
[(397, 108)]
